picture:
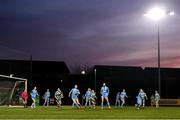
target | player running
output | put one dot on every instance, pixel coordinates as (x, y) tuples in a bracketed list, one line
[(123, 96), (143, 96), (58, 96), (46, 98), (87, 97), (93, 98), (117, 103), (24, 97), (34, 94), (157, 98), (74, 96), (138, 102), (104, 95)]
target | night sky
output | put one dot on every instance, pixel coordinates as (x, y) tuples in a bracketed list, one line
[(108, 32)]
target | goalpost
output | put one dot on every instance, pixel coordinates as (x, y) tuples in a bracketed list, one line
[(11, 89)]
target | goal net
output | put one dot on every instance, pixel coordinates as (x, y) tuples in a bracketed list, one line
[(11, 89)]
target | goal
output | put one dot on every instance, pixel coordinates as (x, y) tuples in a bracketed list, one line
[(11, 89)]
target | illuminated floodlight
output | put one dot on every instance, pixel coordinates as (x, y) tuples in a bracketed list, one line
[(83, 72), (155, 13), (171, 13), (158, 13)]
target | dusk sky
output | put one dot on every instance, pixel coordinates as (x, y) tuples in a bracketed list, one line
[(106, 32)]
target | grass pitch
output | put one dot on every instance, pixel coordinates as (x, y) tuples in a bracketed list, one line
[(84, 113)]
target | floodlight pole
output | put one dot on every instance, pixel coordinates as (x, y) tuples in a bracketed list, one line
[(159, 61), (156, 14), (95, 79)]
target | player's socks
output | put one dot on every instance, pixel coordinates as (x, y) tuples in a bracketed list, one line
[(122, 105), (102, 105), (86, 104), (32, 106), (77, 105), (108, 104), (90, 104), (73, 105)]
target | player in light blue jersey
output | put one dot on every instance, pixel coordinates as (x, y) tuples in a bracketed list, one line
[(138, 102), (104, 95), (46, 97), (88, 97), (74, 96), (157, 98), (117, 103), (143, 96), (123, 96), (34, 94)]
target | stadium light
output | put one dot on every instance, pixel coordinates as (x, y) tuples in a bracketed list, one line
[(83, 72), (156, 14), (171, 13)]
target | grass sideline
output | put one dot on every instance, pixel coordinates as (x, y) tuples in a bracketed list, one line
[(84, 113)]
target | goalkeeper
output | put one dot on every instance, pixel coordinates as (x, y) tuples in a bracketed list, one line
[(24, 97), (58, 96)]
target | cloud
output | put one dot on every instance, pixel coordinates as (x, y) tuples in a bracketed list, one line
[(94, 31)]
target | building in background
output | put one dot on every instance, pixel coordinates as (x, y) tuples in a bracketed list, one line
[(42, 74), (134, 78)]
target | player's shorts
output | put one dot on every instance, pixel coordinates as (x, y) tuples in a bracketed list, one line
[(156, 100), (46, 98), (88, 98), (24, 99), (104, 95), (33, 96), (58, 100), (74, 97), (122, 99)]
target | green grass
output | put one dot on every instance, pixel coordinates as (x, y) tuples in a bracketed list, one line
[(69, 113)]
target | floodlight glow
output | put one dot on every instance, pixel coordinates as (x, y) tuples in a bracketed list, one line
[(83, 72), (155, 14), (171, 13)]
